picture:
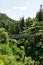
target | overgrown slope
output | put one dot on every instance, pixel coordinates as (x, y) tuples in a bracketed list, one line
[(22, 51)]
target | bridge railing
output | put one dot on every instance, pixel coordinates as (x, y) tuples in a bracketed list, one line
[(21, 36)]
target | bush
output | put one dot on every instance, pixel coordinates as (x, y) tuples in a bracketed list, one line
[(3, 36)]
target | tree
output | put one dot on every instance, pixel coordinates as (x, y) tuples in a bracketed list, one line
[(39, 15), (22, 23), (14, 28), (29, 22)]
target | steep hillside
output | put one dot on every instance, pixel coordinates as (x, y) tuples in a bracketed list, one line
[(25, 51)]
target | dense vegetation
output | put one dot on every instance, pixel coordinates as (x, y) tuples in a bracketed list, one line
[(26, 51)]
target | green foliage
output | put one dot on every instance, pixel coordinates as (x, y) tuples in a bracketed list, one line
[(14, 28), (5, 49), (22, 23), (9, 60), (29, 22), (39, 15), (3, 36), (25, 51)]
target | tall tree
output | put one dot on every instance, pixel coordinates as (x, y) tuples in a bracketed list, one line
[(39, 15), (22, 23)]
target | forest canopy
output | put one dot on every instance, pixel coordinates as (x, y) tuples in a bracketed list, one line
[(24, 51)]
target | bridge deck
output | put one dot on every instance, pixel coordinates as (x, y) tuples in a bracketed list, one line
[(18, 36)]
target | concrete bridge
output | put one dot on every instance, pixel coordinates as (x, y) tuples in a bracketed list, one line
[(19, 36)]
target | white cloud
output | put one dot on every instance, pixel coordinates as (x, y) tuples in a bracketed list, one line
[(8, 11), (22, 8), (27, 3)]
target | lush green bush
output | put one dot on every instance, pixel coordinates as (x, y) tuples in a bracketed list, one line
[(3, 36)]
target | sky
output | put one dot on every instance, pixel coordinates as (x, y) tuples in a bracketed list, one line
[(16, 9)]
